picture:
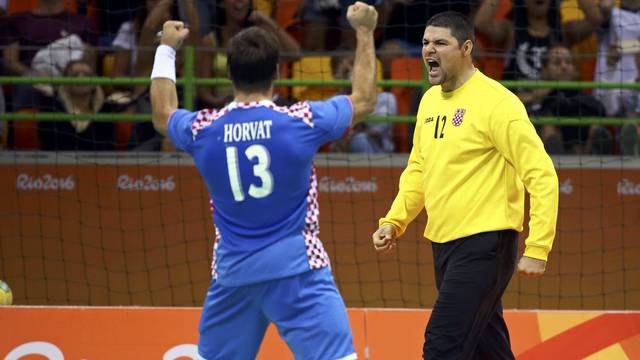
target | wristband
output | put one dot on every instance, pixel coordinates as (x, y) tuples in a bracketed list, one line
[(164, 64)]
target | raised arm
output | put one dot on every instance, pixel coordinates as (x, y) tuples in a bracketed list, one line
[(579, 29), (498, 31), (164, 99), (12, 60), (408, 202), (288, 44), (363, 18)]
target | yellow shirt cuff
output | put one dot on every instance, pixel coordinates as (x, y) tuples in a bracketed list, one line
[(536, 252), (397, 227)]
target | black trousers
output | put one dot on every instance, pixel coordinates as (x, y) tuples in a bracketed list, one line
[(472, 273)]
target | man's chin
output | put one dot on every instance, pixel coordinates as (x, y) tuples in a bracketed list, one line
[(435, 80)]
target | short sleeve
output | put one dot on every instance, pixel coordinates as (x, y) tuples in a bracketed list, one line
[(333, 115), (179, 129)]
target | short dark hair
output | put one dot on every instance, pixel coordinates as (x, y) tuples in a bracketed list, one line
[(459, 24), (252, 59)]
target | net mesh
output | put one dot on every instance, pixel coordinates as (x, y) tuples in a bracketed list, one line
[(106, 212)]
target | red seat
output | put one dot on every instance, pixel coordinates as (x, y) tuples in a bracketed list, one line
[(405, 68), (25, 132)]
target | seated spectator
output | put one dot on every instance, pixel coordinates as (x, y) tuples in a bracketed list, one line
[(134, 57), (366, 137), (558, 65), (619, 40), (618, 61), (83, 135), (375, 137), (528, 32), (32, 31), (40, 43), (231, 17)]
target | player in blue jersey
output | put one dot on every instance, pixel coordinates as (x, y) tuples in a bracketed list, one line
[(257, 161)]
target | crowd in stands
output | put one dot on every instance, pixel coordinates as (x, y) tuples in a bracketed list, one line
[(556, 40)]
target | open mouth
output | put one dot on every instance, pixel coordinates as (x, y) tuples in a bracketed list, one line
[(434, 65)]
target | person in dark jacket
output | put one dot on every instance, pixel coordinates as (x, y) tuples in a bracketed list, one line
[(79, 135), (569, 139)]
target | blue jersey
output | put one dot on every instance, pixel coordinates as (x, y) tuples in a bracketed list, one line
[(257, 161)]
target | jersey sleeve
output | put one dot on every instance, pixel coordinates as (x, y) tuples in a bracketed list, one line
[(410, 198), (332, 116), (516, 139), (179, 129)]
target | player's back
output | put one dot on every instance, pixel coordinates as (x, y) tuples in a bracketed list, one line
[(257, 166), (256, 159)]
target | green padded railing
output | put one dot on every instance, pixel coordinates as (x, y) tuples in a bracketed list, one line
[(189, 81)]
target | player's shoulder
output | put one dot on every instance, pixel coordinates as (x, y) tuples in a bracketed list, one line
[(491, 87), (493, 93), (300, 110)]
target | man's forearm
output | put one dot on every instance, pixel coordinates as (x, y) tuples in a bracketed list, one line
[(164, 101), (364, 74), (164, 98)]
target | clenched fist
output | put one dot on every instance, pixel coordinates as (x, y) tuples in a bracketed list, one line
[(173, 34), (531, 267), (362, 15), (384, 239)]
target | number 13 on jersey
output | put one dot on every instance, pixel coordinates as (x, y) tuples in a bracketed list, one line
[(260, 170)]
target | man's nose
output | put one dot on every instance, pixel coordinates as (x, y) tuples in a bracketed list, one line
[(429, 49)]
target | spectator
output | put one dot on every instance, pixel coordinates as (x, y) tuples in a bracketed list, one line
[(558, 65), (231, 17), (78, 99), (42, 42), (619, 40), (531, 29), (134, 57), (366, 137), (581, 20), (489, 54), (152, 15), (207, 13), (32, 31), (619, 44)]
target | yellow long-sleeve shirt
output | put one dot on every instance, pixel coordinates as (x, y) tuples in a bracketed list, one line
[(473, 148)]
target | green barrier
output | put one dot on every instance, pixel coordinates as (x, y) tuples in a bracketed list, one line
[(538, 120), (189, 81), (130, 81)]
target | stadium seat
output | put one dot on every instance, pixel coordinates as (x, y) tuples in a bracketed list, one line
[(405, 68), (286, 17), (312, 68), (318, 68), (25, 132), (286, 12)]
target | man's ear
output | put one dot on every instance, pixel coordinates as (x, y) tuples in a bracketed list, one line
[(467, 48)]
